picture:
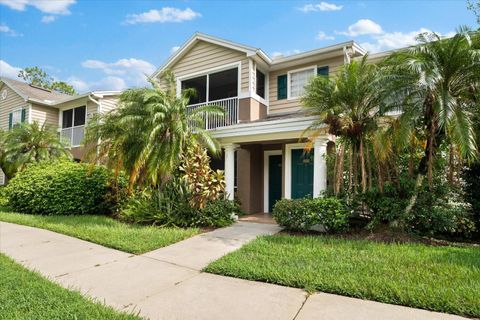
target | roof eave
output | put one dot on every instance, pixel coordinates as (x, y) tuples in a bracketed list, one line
[(249, 51)]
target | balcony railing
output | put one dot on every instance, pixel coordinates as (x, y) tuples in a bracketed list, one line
[(212, 121), (74, 135)]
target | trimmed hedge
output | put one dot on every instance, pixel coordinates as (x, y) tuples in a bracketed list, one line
[(64, 188), (303, 214)]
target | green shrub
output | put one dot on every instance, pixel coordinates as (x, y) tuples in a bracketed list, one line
[(3, 196), (441, 212), (218, 213), (65, 188), (170, 206), (303, 214)]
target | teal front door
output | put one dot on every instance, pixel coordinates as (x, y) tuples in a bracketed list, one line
[(274, 180), (302, 173)]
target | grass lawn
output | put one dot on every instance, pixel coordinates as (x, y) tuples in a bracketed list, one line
[(445, 279), (105, 231), (27, 295)]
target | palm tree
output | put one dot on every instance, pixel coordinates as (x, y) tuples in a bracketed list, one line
[(30, 143), (349, 105), (149, 132), (434, 84)]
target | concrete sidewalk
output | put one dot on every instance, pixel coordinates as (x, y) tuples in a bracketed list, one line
[(167, 283)]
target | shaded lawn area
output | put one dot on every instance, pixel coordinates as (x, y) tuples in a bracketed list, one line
[(104, 230), (27, 295), (445, 279)]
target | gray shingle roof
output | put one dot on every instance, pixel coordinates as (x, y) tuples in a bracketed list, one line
[(28, 91)]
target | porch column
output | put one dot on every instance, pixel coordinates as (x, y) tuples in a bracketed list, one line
[(230, 170), (319, 166)]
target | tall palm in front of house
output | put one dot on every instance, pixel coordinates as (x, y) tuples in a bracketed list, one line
[(348, 104), (434, 85), (149, 132), (26, 144)]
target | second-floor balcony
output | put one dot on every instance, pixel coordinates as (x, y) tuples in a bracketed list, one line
[(219, 88), (213, 121)]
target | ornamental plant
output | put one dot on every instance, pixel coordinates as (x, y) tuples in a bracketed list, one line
[(205, 185)]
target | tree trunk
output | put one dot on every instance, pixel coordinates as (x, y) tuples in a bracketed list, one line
[(362, 166), (380, 176), (369, 170), (355, 169), (350, 172), (339, 169), (451, 164)]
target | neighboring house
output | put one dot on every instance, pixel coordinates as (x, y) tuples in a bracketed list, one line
[(261, 133), (21, 102)]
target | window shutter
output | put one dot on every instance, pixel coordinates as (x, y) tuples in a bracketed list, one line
[(23, 115), (10, 120), (282, 87), (322, 71)]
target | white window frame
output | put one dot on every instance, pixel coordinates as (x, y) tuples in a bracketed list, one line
[(289, 75), (265, 100), (207, 73), (13, 112), (73, 121)]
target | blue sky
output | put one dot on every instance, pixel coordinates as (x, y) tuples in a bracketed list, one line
[(110, 45)]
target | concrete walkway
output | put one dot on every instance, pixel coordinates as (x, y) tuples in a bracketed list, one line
[(167, 283)]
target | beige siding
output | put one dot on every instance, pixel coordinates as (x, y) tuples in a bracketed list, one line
[(204, 56), (109, 103), (43, 114), (284, 105), (11, 103), (245, 75)]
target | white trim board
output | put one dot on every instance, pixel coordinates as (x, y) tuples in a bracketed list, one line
[(266, 155)]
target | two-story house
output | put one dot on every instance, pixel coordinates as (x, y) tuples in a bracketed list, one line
[(22, 102), (261, 132)]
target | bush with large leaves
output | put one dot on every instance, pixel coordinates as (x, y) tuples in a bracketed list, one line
[(65, 188)]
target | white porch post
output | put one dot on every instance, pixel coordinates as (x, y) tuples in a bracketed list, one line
[(230, 170), (319, 166)]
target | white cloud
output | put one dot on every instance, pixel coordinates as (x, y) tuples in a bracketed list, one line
[(323, 36), (48, 19), (107, 83), (278, 54), (121, 74), (46, 6), (9, 31), (394, 40), (9, 71), (362, 27), (322, 6), (174, 49), (166, 14)]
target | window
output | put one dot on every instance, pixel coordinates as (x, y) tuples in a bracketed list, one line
[(73, 125), (16, 117), (260, 83), (298, 80), (214, 86), (199, 86), (223, 84)]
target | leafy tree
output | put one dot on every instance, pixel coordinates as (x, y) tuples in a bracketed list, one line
[(38, 77), (26, 144), (474, 6), (435, 84), (348, 104), (149, 131)]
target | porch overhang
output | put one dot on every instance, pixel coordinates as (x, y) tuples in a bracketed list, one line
[(267, 130)]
